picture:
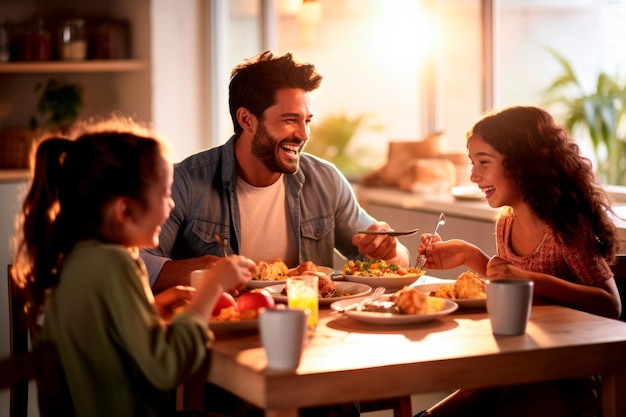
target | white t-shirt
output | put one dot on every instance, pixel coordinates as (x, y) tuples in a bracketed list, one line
[(266, 230)]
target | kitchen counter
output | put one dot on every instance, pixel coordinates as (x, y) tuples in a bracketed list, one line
[(12, 175), (471, 209)]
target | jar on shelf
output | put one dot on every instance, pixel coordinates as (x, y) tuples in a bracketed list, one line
[(111, 39), (34, 43), (5, 42), (72, 40)]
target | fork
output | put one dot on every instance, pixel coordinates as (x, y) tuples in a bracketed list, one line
[(421, 260), (223, 242), (378, 292)]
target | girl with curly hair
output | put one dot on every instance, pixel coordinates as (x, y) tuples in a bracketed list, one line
[(554, 228)]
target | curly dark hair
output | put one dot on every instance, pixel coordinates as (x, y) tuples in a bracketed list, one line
[(254, 83), (555, 180)]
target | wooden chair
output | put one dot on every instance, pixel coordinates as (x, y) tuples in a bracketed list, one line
[(18, 345), (43, 365)]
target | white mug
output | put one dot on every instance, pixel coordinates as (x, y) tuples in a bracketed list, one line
[(196, 277), (283, 333), (509, 302)]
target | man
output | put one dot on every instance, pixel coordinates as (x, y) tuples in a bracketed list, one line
[(260, 191)]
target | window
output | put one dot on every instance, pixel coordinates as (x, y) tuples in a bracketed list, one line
[(409, 67)]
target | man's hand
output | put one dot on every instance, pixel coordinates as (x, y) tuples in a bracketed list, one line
[(381, 246), (179, 272)]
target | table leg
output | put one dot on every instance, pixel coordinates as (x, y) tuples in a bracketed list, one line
[(613, 399)]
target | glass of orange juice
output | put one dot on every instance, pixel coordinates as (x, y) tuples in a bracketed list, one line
[(303, 294)]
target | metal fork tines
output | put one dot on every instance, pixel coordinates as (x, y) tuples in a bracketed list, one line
[(223, 242), (421, 260), (375, 296)]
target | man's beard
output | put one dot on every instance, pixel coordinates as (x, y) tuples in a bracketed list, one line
[(264, 149)]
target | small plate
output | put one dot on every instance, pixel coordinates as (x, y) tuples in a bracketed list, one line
[(387, 282), (467, 192), (256, 283), (262, 284), (355, 290), (234, 325), (462, 302), (390, 318)]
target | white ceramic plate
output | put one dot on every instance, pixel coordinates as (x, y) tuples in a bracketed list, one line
[(463, 303), (467, 192), (354, 289), (262, 284), (387, 282), (390, 318), (234, 325)]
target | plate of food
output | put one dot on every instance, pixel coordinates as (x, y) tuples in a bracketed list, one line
[(343, 291), (467, 193), (276, 272), (378, 273), (408, 305), (468, 290)]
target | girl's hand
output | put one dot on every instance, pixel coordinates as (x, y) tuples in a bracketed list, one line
[(443, 254), (424, 238), (498, 268), (233, 272), (169, 301)]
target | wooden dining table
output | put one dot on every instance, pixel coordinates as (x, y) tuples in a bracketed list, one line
[(347, 360)]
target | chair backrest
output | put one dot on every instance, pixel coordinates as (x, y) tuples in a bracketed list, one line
[(43, 365), (18, 344), (619, 271)]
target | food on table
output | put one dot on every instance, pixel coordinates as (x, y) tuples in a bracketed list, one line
[(378, 268), (306, 266), (468, 285), (226, 300), (411, 300), (275, 270), (255, 300), (326, 286), (246, 307)]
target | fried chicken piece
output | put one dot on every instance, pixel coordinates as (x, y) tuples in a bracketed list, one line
[(410, 300), (469, 285), (302, 268), (326, 285)]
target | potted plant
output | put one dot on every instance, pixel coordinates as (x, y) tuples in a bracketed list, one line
[(331, 137), (58, 107), (601, 113)]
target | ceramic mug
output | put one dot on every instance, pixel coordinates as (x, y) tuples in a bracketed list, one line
[(283, 334), (509, 302)]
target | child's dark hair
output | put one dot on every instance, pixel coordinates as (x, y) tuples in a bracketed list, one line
[(72, 181), (254, 83), (556, 181)]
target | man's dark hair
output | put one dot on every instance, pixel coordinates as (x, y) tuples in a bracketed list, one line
[(254, 83)]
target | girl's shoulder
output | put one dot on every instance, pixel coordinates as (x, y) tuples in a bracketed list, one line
[(99, 254)]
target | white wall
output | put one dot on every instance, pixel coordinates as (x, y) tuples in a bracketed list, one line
[(178, 86)]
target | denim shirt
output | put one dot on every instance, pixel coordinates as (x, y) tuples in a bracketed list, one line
[(324, 210)]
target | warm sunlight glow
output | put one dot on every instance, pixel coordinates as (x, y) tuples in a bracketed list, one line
[(404, 33)]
